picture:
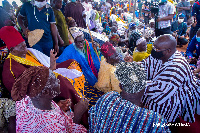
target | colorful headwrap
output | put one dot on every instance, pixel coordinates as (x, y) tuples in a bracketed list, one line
[(76, 32), (181, 15), (107, 49), (10, 36), (115, 38), (131, 76), (31, 82), (68, 20), (140, 40)]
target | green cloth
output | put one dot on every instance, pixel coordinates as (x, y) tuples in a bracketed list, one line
[(61, 25)]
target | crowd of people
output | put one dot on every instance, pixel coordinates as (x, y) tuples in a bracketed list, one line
[(86, 66)]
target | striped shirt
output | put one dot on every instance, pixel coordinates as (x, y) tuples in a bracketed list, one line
[(113, 114), (173, 90)]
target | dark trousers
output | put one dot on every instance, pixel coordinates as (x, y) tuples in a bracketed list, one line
[(194, 30), (182, 41), (163, 31), (146, 20)]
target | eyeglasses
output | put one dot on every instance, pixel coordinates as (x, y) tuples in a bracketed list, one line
[(157, 50)]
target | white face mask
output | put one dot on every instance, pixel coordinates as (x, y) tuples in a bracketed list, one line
[(180, 20), (40, 4)]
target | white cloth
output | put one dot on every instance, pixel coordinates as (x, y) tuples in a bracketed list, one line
[(45, 60)]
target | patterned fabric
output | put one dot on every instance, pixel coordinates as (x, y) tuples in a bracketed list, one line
[(7, 109), (89, 58), (131, 76), (31, 119), (173, 90), (113, 114), (106, 78), (77, 33), (165, 10)]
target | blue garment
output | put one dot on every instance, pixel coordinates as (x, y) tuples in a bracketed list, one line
[(71, 53), (113, 114), (182, 28), (196, 10), (193, 45), (45, 17), (44, 47)]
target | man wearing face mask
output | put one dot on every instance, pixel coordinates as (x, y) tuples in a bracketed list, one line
[(165, 15), (40, 16), (194, 45), (179, 29), (172, 90)]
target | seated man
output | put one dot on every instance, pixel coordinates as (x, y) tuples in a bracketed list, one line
[(106, 77), (19, 60), (140, 51), (84, 54), (173, 90), (124, 112), (36, 111), (179, 29), (194, 46)]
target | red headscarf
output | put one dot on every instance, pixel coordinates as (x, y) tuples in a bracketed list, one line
[(107, 49), (10, 36)]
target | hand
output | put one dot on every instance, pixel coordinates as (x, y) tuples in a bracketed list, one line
[(159, 19), (56, 48), (128, 58), (194, 24), (174, 33), (25, 32), (81, 106), (65, 104), (94, 44), (192, 60), (53, 60), (181, 37), (84, 15)]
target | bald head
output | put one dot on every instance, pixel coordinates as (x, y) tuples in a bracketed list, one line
[(166, 41), (166, 46)]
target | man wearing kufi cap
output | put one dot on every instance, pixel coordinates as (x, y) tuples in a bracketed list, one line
[(21, 58), (123, 112), (179, 28), (140, 51), (106, 77), (82, 51)]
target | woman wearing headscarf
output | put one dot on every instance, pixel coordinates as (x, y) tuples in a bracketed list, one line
[(36, 111), (106, 78)]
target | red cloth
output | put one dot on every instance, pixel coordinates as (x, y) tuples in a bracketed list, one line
[(107, 49), (8, 32), (192, 127)]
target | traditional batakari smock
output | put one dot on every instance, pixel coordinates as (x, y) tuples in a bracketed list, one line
[(31, 119), (114, 114), (173, 90)]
